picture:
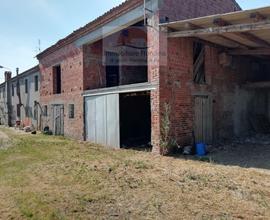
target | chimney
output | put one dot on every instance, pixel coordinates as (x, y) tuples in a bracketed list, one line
[(17, 71), (8, 75)]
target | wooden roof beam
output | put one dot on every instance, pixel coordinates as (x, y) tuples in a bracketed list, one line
[(250, 37), (257, 17), (263, 25), (194, 27)]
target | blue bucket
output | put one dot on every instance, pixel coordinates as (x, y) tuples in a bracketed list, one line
[(201, 149)]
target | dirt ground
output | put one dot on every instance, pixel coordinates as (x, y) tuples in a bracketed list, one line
[(253, 152), (44, 177)]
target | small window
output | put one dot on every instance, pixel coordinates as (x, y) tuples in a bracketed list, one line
[(26, 85), (45, 110), (57, 84), (12, 89), (36, 83), (71, 110), (199, 63)]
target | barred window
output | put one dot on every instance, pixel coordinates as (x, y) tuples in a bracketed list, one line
[(26, 85), (45, 110), (71, 110), (12, 89), (36, 83)]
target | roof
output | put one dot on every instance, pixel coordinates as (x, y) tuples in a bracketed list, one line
[(103, 19), (25, 73), (247, 29)]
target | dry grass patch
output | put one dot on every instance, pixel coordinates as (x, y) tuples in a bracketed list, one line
[(55, 178)]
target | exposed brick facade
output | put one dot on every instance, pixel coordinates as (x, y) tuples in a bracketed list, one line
[(71, 60), (223, 84), (169, 66)]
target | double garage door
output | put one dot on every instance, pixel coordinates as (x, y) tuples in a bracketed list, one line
[(102, 120)]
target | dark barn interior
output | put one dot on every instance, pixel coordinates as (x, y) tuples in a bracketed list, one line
[(135, 120)]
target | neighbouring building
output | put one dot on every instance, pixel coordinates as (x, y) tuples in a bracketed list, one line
[(19, 99), (109, 81)]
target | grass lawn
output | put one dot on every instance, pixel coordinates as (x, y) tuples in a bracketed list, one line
[(44, 177)]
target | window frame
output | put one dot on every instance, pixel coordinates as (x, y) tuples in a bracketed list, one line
[(12, 90), (36, 79), (45, 110), (71, 111), (26, 88), (57, 76)]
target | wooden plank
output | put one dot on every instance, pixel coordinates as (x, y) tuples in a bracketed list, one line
[(113, 121), (264, 25), (224, 38), (221, 22), (90, 119), (257, 16), (234, 17), (203, 119)]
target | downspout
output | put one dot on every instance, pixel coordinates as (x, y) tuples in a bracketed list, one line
[(18, 91)]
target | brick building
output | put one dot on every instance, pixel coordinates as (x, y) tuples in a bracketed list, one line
[(108, 82)]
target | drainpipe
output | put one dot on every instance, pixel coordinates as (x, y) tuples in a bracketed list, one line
[(18, 92)]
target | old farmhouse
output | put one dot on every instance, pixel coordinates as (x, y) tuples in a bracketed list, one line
[(183, 71)]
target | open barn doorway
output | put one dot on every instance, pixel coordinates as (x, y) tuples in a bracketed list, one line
[(135, 120)]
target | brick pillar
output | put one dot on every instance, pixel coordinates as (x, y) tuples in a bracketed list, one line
[(157, 64)]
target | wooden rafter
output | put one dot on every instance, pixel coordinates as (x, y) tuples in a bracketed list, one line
[(194, 27), (256, 16), (250, 37), (263, 25)]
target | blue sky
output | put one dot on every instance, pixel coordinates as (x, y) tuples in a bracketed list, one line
[(23, 23)]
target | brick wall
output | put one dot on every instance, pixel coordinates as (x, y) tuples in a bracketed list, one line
[(94, 71), (231, 102), (170, 66), (175, 89), (71, 60)]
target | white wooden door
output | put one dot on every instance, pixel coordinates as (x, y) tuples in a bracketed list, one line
[(102, 120)]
